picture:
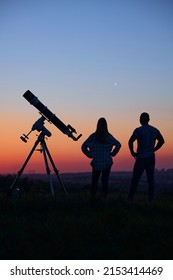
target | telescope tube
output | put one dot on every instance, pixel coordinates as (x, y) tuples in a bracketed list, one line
[(33, 100)]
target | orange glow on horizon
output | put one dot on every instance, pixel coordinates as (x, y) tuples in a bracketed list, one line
[(65, 152), (68, 157)]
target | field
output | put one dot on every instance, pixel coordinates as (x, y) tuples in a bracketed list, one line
[(37, 226)]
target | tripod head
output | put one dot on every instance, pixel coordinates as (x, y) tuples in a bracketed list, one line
[(39, 126)]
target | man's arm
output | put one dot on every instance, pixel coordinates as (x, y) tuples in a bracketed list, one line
[(131, 147), (160, 142)]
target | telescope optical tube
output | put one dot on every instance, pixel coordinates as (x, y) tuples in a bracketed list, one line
[(33, 100)]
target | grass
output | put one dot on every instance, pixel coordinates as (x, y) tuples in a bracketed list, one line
[(37, 226)]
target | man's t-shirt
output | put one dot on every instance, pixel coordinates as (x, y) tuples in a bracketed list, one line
[(146, 136)]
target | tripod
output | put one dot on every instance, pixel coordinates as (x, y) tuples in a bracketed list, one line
[(46, 155)]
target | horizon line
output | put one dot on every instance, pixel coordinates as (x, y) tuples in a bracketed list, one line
[(80, 172)]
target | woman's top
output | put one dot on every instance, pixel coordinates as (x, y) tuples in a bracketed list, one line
[(101, 153)]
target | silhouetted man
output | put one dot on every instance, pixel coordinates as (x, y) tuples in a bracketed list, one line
[(149, 140)]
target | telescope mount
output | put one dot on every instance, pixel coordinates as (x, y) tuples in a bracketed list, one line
[(46, 155)]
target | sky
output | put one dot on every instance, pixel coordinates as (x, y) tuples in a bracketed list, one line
[(84, 59)]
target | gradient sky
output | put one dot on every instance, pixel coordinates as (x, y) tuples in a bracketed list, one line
[(84, 59)]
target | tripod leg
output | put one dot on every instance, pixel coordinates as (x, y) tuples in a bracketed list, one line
[(55, 169), (23, 167), (47, 168)]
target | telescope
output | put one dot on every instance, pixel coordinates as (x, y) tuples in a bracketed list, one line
[(46, 114), (52, 118)]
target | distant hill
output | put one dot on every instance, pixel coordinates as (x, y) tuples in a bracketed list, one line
[(118, 180)]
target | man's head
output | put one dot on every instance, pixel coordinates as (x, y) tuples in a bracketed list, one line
[(144, 118)]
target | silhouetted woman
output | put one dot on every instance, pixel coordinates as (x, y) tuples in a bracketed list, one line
[(101, 146)]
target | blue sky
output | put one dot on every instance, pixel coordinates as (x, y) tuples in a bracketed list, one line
[(86, 59), (87, 45)]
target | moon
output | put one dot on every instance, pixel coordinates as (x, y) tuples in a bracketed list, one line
[(115, 84)]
